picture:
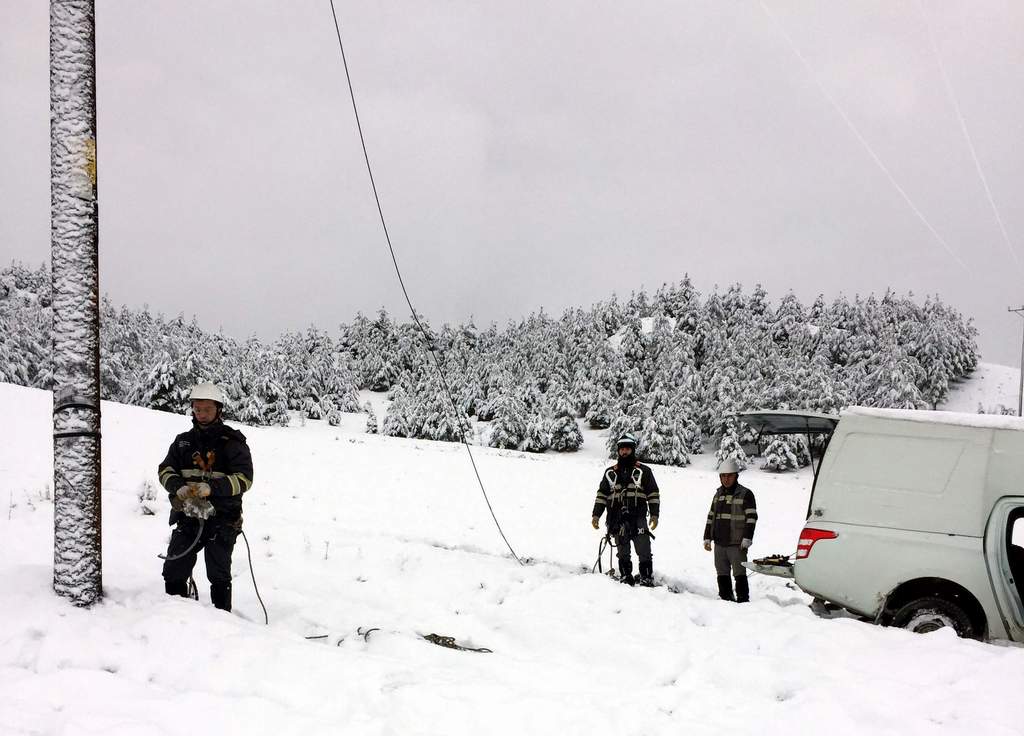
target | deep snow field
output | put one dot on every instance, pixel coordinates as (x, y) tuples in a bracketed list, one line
[(351, 532)]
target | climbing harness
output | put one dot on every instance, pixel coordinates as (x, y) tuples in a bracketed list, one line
[(623, 500)]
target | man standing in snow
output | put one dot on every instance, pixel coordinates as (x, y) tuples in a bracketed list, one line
[(730, 526), (205, 473), (628, 490)]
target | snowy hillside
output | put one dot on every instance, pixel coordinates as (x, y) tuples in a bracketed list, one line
[(350, 532), (990, 385)]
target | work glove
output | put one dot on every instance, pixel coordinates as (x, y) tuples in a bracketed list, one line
[(194, 490), (745, 544), (594, 522), (654, 523), (202, 490), (707, 545)]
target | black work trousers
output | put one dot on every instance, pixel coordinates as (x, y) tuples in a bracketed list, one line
[(217, 543), (639, 535)]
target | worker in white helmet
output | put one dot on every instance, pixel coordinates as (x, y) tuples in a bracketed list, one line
[(206, 472)]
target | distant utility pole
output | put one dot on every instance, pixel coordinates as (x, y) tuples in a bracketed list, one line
[(74, 241), (1020, 387)]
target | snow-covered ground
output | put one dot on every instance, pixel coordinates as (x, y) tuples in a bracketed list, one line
[(351, 532), (990, 386)]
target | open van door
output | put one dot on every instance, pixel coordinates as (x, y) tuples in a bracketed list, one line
[(788, 422), (791, 422), (1004, 555)]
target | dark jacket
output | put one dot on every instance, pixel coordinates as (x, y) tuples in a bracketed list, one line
[(733, 516), (629, 492), (216, 454)]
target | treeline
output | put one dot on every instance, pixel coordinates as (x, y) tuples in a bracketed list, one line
[(673, 367)]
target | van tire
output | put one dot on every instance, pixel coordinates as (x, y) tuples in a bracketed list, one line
[(924, 615)]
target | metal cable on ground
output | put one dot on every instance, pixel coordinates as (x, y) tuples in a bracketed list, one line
[(248, 553), (426, 337)]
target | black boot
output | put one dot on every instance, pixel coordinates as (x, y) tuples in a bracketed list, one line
[(626, 572), (742, 590), (725, 588), (176, 587), (647, 574), (220, 594)]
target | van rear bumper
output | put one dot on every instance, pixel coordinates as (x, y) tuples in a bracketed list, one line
[(773, 567)]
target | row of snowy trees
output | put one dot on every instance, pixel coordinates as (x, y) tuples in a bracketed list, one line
[(674, 367)]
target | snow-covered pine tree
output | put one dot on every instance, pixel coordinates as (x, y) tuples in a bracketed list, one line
[(396, 420), (602, 409), (661, 441), (730, 447), (779, 455), (371, 419), (634, 352), (434, 415), (929, 344), (893, 382), (538, 432), (508, 429), (623, 423), (790, 321), (565, 432)]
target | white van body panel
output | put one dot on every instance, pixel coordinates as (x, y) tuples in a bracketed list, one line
[(863, 564), (911, 495), (905, 475)]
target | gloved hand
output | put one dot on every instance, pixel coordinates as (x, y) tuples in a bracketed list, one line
[(707, 545), (194, 490), (594, 522), (201, 490), (745, 544), (654, 523)]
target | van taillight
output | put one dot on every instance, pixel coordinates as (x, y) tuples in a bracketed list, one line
[(807, 539)]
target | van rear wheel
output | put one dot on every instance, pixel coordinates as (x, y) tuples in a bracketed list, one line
[(930, 614)]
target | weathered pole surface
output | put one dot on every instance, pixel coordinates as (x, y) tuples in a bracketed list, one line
[(74, 240)]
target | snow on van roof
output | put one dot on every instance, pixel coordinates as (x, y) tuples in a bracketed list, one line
[(963, 419)]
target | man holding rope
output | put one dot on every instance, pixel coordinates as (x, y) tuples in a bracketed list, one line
[(205, 473)]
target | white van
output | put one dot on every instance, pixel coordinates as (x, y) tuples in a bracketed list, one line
[(916, 518)]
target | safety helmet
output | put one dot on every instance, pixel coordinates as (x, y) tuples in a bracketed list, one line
[(626, 440), (209, 391), (729, 465)]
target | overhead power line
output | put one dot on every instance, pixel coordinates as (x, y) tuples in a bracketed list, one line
[(456, 415), (967, 136), (860, 138)]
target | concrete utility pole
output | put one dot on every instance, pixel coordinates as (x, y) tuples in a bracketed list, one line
[(1020, 387), (74, 241)]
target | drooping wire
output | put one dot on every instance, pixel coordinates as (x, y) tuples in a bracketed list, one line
[(426, 337), (248, 553), (967, 136), (857, 134)]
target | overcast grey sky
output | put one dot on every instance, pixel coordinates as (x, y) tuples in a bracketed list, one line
[(531, 154)]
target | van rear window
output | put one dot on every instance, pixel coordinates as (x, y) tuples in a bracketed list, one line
[(917, 464)]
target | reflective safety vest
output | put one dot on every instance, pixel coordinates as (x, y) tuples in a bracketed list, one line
[(732, 511)]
